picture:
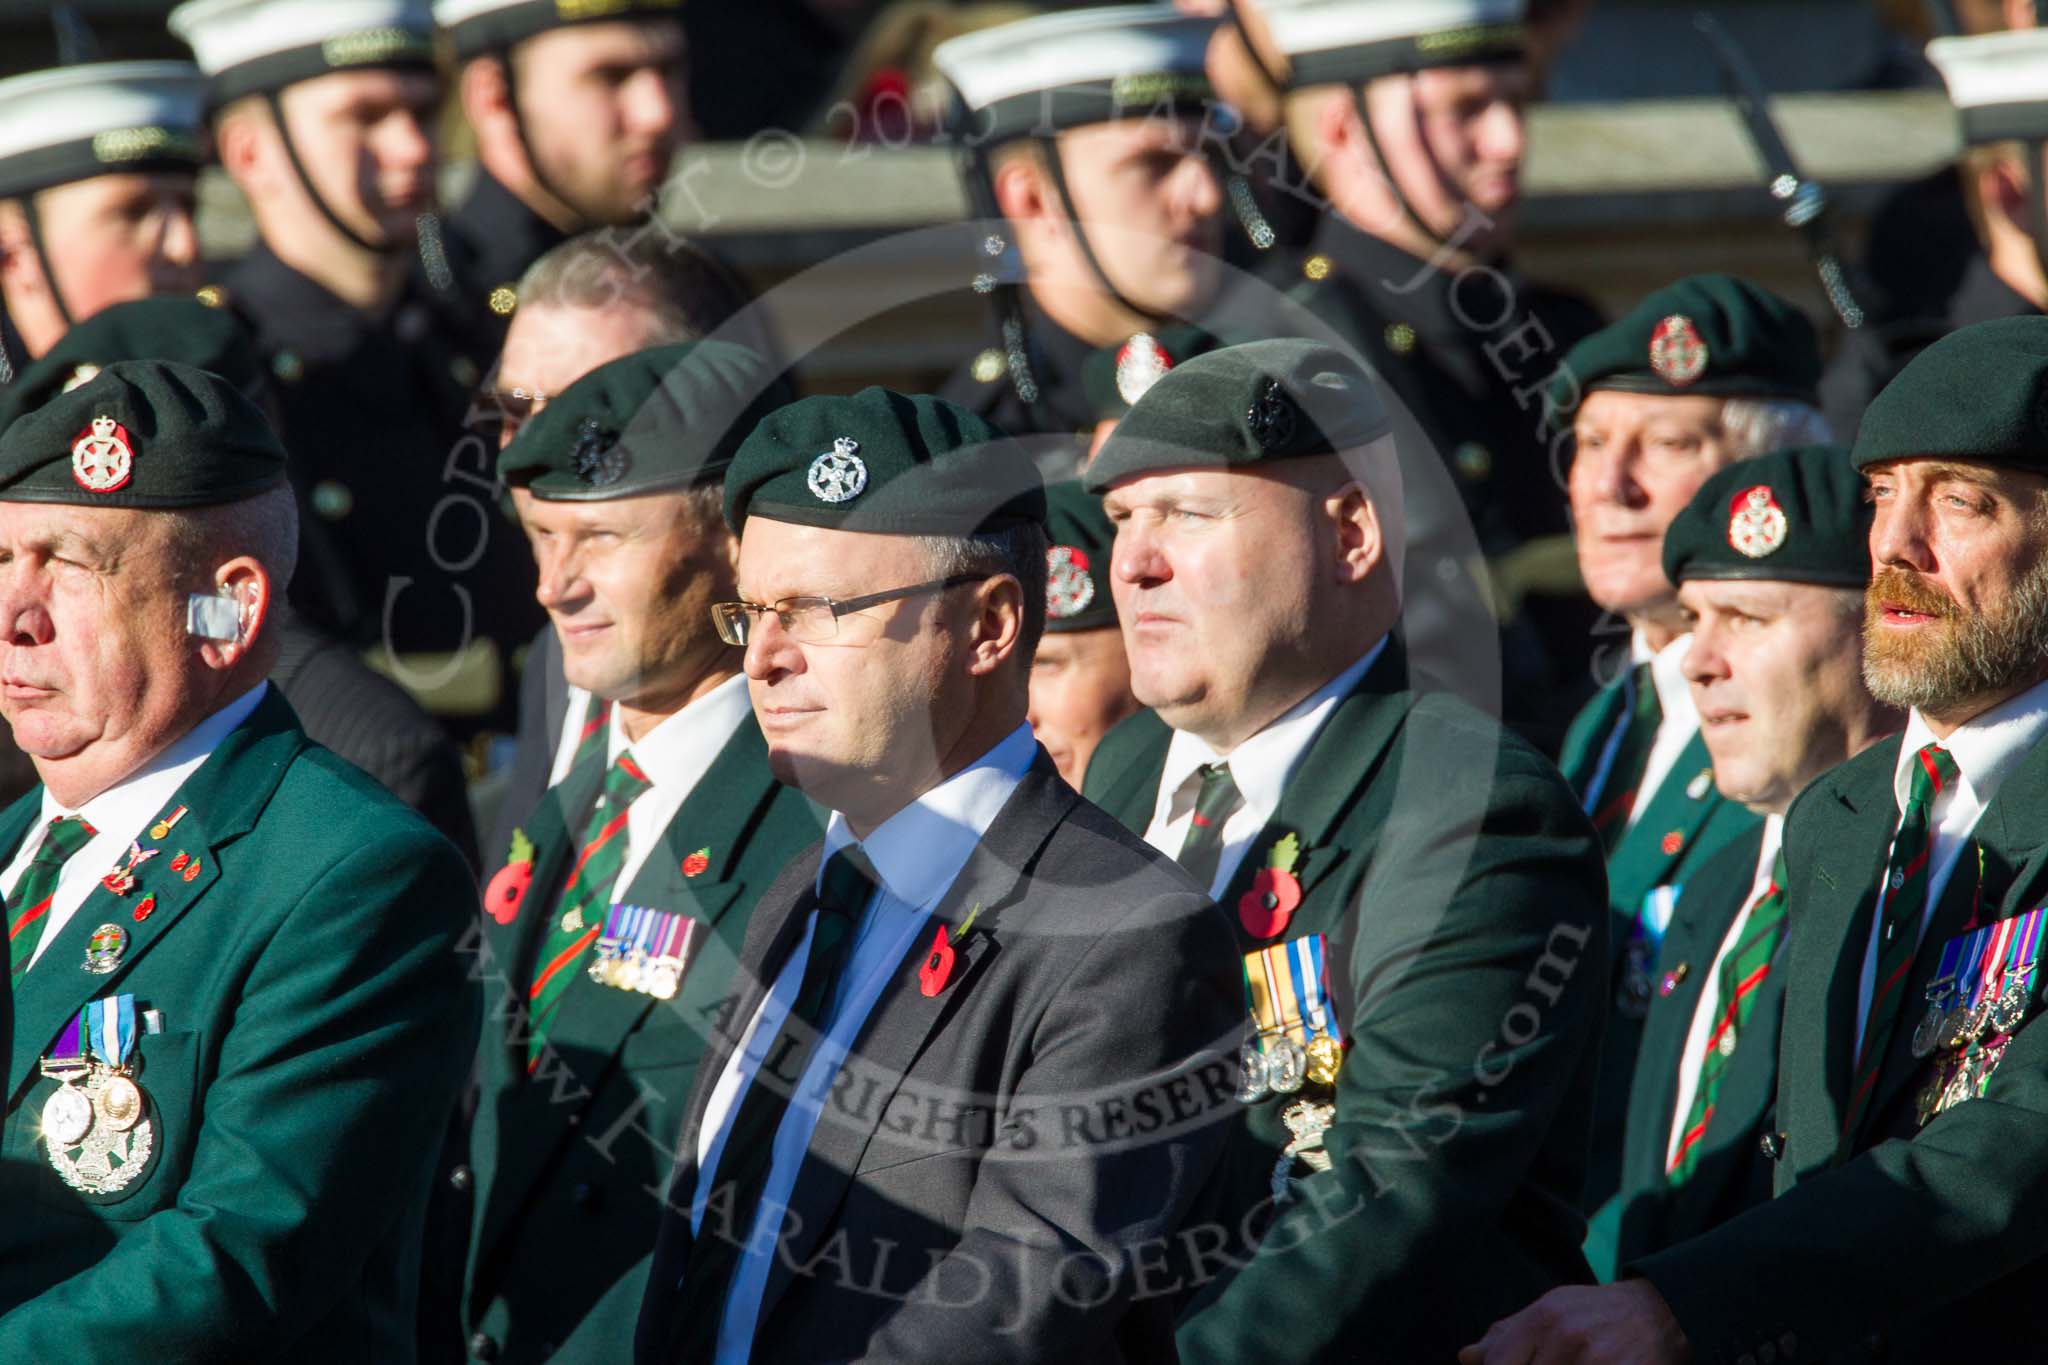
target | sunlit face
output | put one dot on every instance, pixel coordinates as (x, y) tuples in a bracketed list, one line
[(1957, 612), (1454, 137), (860, 722), (1080, 689), (604, 110), (1639, 459), (1152, 207), (113, 238), (628, 584), (1776, 671), (1215, 579), (548, 348), (366, 140), (96, 670)]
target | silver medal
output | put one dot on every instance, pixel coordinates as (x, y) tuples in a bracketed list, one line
[(1287, 1067), (1252, 1083), (67, 1116)]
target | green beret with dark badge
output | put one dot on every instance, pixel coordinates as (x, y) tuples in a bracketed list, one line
[(663, 418), (886, 463), (1795, 516), (1978, 394), (1263, 400), (167, 327), (142, 433), (1711, 335), (1080, 538)]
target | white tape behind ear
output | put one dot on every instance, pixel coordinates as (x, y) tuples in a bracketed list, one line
[(212, 616)]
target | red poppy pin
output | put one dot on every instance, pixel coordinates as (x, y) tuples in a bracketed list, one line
[(508, 887), (937, 968), (697, 862), (1276, 892)]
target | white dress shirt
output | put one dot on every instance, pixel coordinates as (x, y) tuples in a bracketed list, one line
[(1680, 720), (1260, 766), (675, 755), (574, 711), (917, 853), (1708, 1010), (121, 814), (1986, 750)]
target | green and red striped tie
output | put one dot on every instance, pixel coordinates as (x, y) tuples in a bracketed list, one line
[(1201, 849), (1742, 973), (579, 916), (1903, 905), (65, 836), (596, 731)]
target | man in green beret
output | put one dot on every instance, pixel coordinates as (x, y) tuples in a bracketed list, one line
[(1707, 371), (1911, 1126), (97, 170), (323, 115), (1082, 132), (971, 1076), (1080, 679), (578, 112), (1416, 893), (1771, 558), (240, 1012), (611, 930)]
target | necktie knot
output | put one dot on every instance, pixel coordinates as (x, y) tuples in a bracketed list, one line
[(1933, 771), (848, 881), (625, 781), (67, 834)]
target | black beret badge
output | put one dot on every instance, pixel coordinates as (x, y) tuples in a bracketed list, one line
[(1273, 419), (596, 455), (101, 457)]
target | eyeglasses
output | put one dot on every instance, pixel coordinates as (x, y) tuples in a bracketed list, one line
[(815, 620)]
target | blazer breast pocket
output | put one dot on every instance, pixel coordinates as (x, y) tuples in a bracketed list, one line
[(122, 1144)]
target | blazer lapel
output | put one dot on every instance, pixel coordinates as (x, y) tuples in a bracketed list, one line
[(222, 801), (904, 1018), (1667, 827)]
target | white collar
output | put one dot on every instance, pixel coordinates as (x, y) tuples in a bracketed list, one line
[(1262, 766), (1986, 748), (131, 803), (1667, 675), (665, 752), (920, 849)]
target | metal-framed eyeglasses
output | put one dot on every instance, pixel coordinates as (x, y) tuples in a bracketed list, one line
[(815, 620)]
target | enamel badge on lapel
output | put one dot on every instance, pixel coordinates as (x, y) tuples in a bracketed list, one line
[(937, 968), (508, 886), (1701, 784), (121, 880), (695, 864), (1672, 841), (162, 828), (101, 457), (104, 949), (144, 907), (1265, 909)]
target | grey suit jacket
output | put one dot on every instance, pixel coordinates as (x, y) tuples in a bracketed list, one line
[(1003, 1165)]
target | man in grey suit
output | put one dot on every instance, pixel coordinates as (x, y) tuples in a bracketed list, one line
[(973, 1071)]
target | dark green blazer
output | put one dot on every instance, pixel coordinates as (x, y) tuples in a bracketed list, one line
[(1929, 1242), (567, 1166), (1732, 1173), (1448, 865), (1684, 823), (317, 1022)]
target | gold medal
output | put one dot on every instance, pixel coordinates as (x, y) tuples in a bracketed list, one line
[(105, 1159), (1325, 1058), (120, 1105)]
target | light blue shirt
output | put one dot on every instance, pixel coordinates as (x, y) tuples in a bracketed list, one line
[(917, 853)]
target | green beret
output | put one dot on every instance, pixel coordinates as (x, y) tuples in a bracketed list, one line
[(1114, 377), (1795, 516), (883, 462), (1712, 335), (1979, 393), (167, 327), (665, 417), (1077, 560), (1262, 400), (142, 433)]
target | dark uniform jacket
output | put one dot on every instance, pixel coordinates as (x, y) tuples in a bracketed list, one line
[(403, 543), (1464, 357), (1450, 870), (317, 1019), (1732, 1173), (489, 240), (984, 384), (1926, 1243), (567, 1165), (1094, 988)]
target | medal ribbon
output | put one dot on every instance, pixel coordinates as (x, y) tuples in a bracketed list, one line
[(1311, 987), (110, 1024), (1944, 985), (70, 1049)]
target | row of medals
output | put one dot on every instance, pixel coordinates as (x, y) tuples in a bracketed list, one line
[(635, 970), (1283, 1068), (1961, 1032), (105, 1119)]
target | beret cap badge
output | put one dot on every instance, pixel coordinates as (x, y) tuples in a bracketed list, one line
[(598, 460), (839, 474), (1678, 354), (1069, 590), (1756, 523), (1140, 362), (101, 458), (1273, 418)]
